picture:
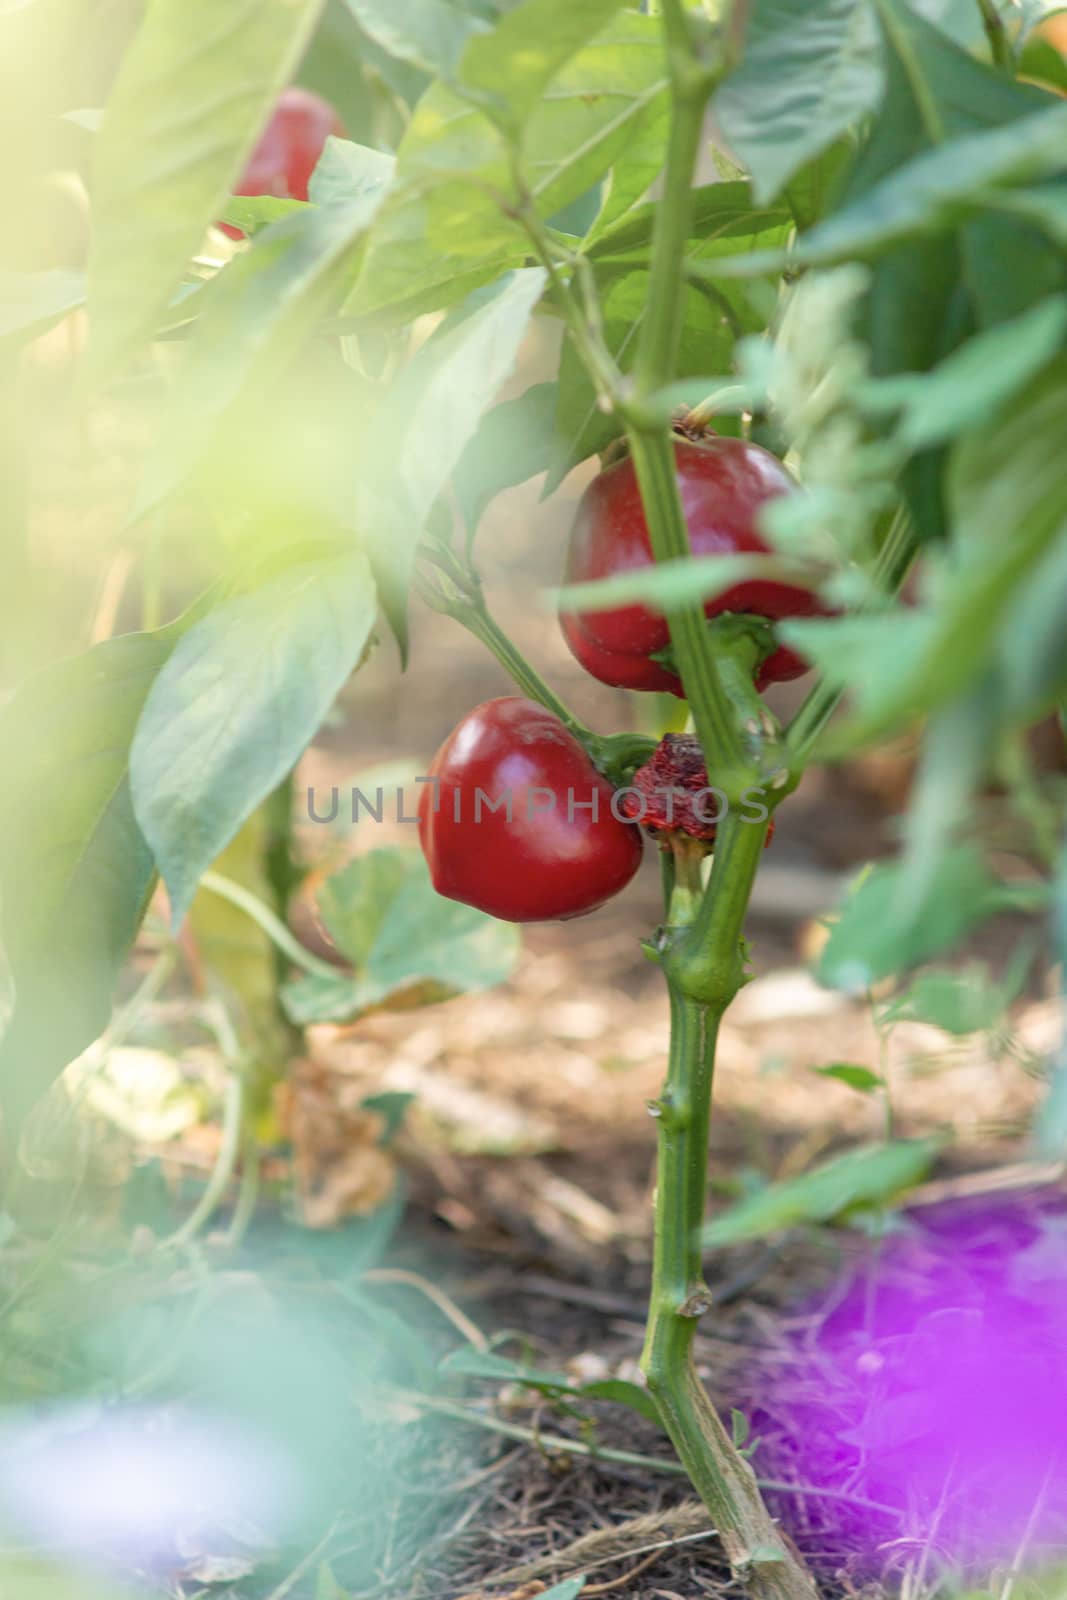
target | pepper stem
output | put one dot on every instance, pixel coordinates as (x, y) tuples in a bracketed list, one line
[(760, 1555)]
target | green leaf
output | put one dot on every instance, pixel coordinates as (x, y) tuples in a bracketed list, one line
[(31, 302), (856, 1077), (1008, 500), (427, 420), (354, 901), (236, 705), (511, 67), (966, 390), (810, 70), (514, 441), (958, 1002), (254, 212), (258, 314), (936, 190), (75, 870), (812, 191), (495, 1368), (957, 743), (739, 1428), (351, 178), (869, 1175), (711, 328), (193, 92), (430, 34), (670, 584), (637, 167), (472, 1363), (446, 228), (569, 1589), (865, 653), (724, 220), (882, 931), (419, 940)]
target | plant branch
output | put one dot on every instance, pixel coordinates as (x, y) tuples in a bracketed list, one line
[(697, 59), (462, 600), (272, 926), (999, 44), (582, 317)]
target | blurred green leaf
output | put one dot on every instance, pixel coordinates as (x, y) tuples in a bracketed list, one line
[(569, 1589), (869, 1175), (712, 325), (810, 70), (882, 931), (958, 1002), (194, 90), (30, 302), (472, 1363), (811, 191), (510, 68), (966, 390), (419, 939), (1031, 648), (958, 740), (1008, 498), (75, 870), (514, 441), (939, 188), (431, 34), (638, 166), (724, 220), (350, 177), (257, 315), (354, 901), (254, 212), (236, 705), (445, 229), (856, 1077), (426, 422), (670, 584)]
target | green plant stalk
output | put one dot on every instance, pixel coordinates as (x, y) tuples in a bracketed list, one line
[(693, 77), (703, 963), (701, 948)]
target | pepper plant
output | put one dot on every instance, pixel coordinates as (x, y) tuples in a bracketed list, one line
[(853, 262)]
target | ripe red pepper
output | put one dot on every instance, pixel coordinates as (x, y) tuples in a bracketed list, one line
[(723, 484), (289, 148), (561, 852)]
